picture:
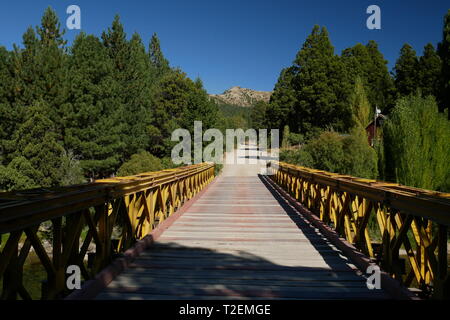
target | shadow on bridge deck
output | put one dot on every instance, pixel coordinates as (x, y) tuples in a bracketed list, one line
[(241, 248), (173, 272)]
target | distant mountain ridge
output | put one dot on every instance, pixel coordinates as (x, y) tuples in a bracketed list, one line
[(241, 96)]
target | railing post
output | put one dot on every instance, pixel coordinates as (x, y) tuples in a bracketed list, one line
[(12, 277), (442, 279)]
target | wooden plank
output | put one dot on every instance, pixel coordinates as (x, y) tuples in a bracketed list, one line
[(237, 241), (176, 282), (238, 268), (139, 296), (233, 255), (287, 275), (268, 293)]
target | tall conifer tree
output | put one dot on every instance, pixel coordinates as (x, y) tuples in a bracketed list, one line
[(281, 107), (321, 84), (133, 74), (91, 123), (157, 59), (368, 63), (444, 53), (430, 67), (406, 71)]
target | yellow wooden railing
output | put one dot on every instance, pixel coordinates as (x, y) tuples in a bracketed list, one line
[(405, 229), (109, 214)]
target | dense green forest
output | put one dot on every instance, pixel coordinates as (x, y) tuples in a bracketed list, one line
[(102, 106), (107, 105), (324, 102)]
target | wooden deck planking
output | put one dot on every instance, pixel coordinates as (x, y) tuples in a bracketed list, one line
[(238, 241)]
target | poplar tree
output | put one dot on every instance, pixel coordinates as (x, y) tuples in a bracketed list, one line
[(285, 139), (360, 105), (416, 138)]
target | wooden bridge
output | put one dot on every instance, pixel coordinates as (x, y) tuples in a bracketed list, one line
[(296, 233)]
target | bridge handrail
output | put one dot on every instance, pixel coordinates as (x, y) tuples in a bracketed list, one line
[(411, 219), (65, 200), (135, 203)]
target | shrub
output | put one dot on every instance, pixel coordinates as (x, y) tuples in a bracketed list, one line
[(298, 157), (334, 152), (327, 151), (360, 160), (140, 163), (296, 139), (167, 163), (12, 179)]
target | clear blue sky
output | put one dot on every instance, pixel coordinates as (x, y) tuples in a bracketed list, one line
[(240, 42)]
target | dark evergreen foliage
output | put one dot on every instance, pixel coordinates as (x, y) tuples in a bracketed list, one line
[(444, 53), (406, 71), (107, 106), (70, 114)]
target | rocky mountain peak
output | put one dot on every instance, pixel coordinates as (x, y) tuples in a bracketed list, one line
[(241, 96)]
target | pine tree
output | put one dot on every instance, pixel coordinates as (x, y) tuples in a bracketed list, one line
[(6, 121), (22, 91), (282, 102), (322, 86), (178, 102), (50, 30), (137, 98), (358, 62), (52, 68), (444, 53), (258, 115), (382, 88), (133, 75), (429, 71), (91, 123), (406, 71), (5, 75), (367, 62), (115, 40), (199, 107), (157, 59), (37, 147), (25, 70), (39, 73)]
